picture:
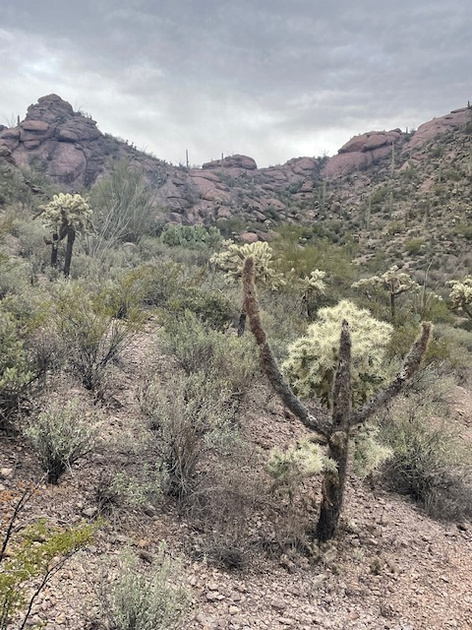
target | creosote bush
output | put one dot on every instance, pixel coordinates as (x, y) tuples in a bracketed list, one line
[(189, 418), (131, 599), (430, 461), (92, 336), (61, 434)]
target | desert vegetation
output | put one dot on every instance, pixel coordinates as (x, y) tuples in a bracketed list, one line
[(127, 378)]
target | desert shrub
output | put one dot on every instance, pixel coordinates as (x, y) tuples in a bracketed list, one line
[(297, 249), (222, 356), (133, 600), (61, 434), (123, 205), (213, 308), (16, 370), (414, 245), (35, 551), (92, 337), (192, 236), (15, 276), (430, 462), (312, 359), (121, 490), (188, 415), (228, 499)]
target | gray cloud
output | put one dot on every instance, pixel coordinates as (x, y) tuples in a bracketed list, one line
[(272, 79)]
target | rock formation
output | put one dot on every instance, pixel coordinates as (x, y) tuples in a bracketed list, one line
[(71, 152)]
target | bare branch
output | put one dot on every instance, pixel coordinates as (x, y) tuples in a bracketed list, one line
[(320, 422), (411, 365)]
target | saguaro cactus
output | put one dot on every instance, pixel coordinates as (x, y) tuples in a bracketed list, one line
[(335, 424)]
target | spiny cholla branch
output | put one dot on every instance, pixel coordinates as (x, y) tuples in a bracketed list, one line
[(320, 422), (411, 365), (342, 380)]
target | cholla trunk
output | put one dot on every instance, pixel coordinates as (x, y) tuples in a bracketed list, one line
[(69, 246), (392, 307), (54, 250), (242, 323), (338, 443)]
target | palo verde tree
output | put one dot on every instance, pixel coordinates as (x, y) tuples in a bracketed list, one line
[(460, 295), (333, 422), (394, 280), (65, 216), (124, 206)]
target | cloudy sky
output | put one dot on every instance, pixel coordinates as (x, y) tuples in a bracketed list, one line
[(273, 79)]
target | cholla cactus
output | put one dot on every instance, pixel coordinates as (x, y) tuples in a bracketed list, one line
[(312, 359), (394, 281), (231, 260), (335, 424), (65, 215), (308, 287), (461, 295), (290, 467), (65, 210)]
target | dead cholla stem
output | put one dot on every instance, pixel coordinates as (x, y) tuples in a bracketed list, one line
[(321, 423), (411, 365)]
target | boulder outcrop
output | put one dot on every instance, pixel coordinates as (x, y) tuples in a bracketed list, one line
[(71, 152)]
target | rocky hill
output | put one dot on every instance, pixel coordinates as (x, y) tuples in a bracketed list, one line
[(382, 187)]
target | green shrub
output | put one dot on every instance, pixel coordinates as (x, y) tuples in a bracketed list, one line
[(230, 360), (133, 600), (60, 435), (414, 245), (124, 205), (213, 308), (192, 236), (92, 337), (35, 551), (430, 462), (16, 371), (187, 414)]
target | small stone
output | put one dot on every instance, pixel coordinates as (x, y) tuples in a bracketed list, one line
[(233, 610), (6, 472), (90, 512)]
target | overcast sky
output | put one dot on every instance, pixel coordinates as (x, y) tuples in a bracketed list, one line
[(273, 79)]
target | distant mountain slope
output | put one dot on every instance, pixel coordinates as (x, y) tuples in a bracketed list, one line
[(384, 188)]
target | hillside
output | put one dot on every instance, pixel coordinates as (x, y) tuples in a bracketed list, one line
[(381, 190), (150, 475)]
